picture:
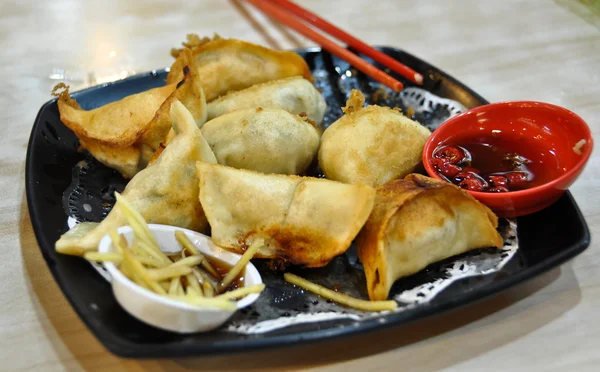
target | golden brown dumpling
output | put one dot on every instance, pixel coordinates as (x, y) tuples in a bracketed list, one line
[(371, 145), (227, 65), (304, 221), (264, 140), (124, 134), (417, 221), (165, 193), (116, 124), (295, 95)]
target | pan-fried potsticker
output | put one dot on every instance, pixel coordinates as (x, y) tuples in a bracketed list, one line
[(417, 221), (303, 221), (226, 65), (124, 134), (165, 193), (264, 140), (295, 95), (371, 145)]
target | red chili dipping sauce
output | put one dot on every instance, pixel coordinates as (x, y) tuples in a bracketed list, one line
[(494, 164)]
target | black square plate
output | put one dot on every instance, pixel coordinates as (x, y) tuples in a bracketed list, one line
[(546, 239)]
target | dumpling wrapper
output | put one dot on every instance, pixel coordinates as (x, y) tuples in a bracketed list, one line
[(226, 65), (124, 134), (125, 160), (303, 221), (371, 145), (417, 221), (295, 95), (264, 140), (190, 93), (116, 124), (165, 193)]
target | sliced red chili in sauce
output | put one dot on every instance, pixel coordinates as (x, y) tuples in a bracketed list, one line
[(487, 166)]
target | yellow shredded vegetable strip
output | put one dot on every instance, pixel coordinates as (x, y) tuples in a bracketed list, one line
[(241, 264), (339, 297)]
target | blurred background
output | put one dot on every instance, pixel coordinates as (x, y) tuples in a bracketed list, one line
[(89, 42)]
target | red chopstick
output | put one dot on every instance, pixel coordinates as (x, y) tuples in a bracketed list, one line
[(353, 42), (283, 17)]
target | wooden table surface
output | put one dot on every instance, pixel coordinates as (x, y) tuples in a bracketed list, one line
[(505, 50)]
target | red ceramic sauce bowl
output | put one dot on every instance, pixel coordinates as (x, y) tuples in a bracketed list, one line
[(554, 130)]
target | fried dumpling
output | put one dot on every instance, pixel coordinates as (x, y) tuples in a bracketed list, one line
[(295, 95), (227, 65), (124, 134), (125, 160), (165, 193), (116, 124), (264, 140), (371, 145), (303, 221), (417, 221), (190, 93)]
